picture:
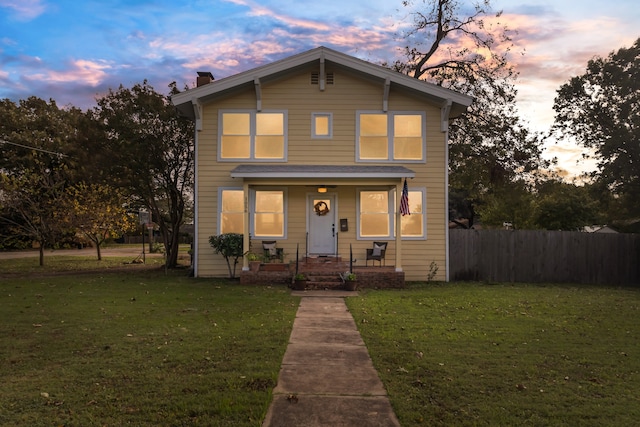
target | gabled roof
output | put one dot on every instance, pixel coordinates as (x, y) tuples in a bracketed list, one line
[(185, 101)]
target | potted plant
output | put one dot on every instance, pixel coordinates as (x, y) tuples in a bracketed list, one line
[(350, 281), (299, 282), (254, 261)]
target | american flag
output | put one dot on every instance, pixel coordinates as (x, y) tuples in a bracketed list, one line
[(404, 200)]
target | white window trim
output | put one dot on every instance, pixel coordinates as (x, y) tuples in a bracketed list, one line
[(393, 210), (314, 135), (252, 212), (220, 191), (252, 136), (390, 133)]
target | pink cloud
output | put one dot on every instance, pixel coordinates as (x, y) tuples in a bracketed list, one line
[(81, 71), (25, 9), (258, 10)]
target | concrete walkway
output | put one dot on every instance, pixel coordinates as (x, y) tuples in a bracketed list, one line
[(327, 378)]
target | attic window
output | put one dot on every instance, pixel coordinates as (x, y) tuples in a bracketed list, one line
[(315, 78)]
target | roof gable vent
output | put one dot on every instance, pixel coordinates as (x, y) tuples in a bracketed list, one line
[(315, 78)]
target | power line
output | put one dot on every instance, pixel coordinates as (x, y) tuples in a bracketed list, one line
[(33, 148)]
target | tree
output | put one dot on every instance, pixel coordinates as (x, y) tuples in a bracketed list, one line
[(31, 207), (601, 110), (151, 149), (35, 136), (490, 148), (564, 206), (98, 212), (230, 246)]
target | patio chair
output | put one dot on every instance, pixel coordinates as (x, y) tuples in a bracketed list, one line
[(271, 252), (376, 253)]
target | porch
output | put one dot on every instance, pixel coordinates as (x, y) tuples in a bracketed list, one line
[(322, 272)]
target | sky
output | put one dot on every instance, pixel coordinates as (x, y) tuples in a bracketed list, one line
[(74, 51)]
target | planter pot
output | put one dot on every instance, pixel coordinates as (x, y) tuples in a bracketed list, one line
[(274, 267), (254, 265), (350, 285), (299, 285)]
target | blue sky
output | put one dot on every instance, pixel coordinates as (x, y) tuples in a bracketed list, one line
[(74, 51)]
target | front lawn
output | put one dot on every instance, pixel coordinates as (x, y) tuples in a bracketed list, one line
[(143, 349), (468, 354)]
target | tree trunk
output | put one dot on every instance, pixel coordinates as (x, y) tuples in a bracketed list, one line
[(99, 254), (41, 254)]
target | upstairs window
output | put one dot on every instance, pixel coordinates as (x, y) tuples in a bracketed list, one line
[(252, 135), (321, 125), (393, 136)]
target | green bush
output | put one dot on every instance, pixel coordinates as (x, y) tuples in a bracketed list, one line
[(229, 245)]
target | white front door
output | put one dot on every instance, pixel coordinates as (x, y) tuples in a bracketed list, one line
[(321, 210)]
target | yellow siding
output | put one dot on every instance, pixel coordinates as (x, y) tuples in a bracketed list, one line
[(348, 95)]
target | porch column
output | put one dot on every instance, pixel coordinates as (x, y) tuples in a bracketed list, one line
[(246, 238), (398, 227)]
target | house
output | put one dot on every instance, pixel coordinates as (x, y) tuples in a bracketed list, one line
[(312, 152)]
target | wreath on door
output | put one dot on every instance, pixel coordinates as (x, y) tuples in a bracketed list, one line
[(321, 208)]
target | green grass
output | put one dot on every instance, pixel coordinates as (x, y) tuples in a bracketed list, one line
[(502, 355), (139, 348), (62, 263)]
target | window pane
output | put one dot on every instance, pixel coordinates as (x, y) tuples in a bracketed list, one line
[(413, 225), (374, 213), (374, 148), (407, 141), (235, 147), (269, 216), (269, 124), (374, 202), (407, 148), (235, 136), (407, 125), (269, 224), (373, 125), (321, 125), (269, 147), (236, 124), (374, 141), (232, 201), (374, 225), (269, 201), (232, 223), (232, 212)]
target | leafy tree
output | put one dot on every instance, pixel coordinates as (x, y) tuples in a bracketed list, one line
[(563, 206), (513, 205), (98, 212), (601, 110), (229, 245), (31, 207), (35, 136), (461, 49), (151, 155)]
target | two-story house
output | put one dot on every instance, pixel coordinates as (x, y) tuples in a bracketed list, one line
[(312, 152)]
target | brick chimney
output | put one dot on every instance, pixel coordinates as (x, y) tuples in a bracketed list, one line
[(204, 77)]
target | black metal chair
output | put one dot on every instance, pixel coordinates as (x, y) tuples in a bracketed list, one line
[(376, 253)]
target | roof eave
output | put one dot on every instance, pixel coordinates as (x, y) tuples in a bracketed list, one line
[(184, 100)]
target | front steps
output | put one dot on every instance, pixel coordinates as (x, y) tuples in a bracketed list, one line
[(323, 273)]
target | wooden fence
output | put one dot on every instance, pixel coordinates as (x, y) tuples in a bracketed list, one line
[(544, 256)]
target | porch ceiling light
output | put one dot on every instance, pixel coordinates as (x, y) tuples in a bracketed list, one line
[(322, 189)]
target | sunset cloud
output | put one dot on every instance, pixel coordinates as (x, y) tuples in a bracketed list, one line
[(24, 9)]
